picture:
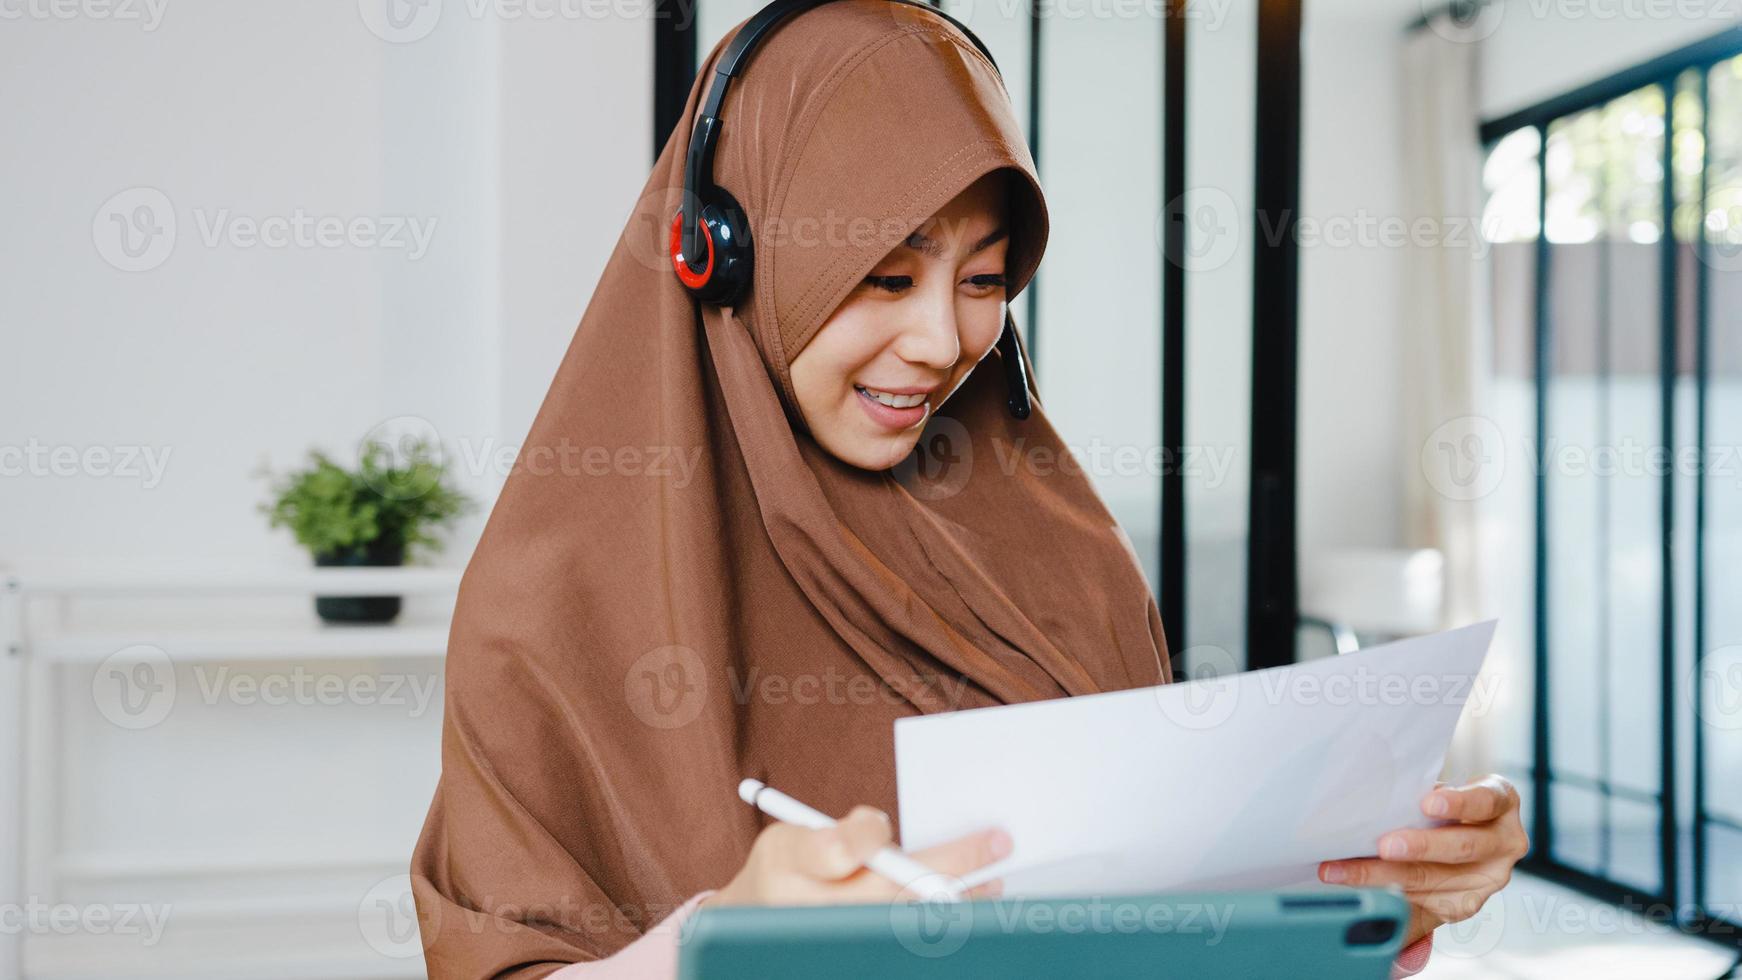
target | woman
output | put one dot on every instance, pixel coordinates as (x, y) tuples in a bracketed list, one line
[(715, 559)]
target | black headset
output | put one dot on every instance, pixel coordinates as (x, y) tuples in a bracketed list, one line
[(711, 225)]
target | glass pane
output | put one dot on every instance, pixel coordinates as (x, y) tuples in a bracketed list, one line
[(1573, 409), (1578, 826), (1510, 176), (1634, 858), (1220, 66), (1630, 488), (1721, 676), (1724, 873), (1604, 474), (1098, 327)]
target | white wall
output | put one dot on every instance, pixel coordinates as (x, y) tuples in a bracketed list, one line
[(484, 133), (570, 166), (1352, 311), (218, 354)]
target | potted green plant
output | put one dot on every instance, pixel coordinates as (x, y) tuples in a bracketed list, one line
[(374, 514)]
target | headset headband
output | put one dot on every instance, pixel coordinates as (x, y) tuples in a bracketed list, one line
[(699, 162)]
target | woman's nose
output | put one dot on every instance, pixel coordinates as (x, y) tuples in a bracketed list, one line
[(929, 334)]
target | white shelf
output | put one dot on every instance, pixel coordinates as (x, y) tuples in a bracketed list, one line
[(113, 865), (242, 580), (256, 912), (337, 952), (232, 645)]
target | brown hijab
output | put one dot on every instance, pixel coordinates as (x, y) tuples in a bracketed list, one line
[(678, 588)]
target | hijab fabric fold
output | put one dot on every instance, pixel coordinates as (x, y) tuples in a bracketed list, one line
[(678, 588)]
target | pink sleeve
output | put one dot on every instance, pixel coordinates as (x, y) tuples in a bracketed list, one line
[(652, 956), (1413, 958)]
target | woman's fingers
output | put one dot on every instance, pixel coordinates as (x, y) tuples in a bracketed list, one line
[(1482, 801), (833, 853), (965, 854), (798, 865), (959, 858), (1411, 876), (1447, 871), (1451, 844), (792, 865)]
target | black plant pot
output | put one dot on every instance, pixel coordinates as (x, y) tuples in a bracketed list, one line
[(361, 608)]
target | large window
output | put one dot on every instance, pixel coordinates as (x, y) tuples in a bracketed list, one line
[(1615, 217)]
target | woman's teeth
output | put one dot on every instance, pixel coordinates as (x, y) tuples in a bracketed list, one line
[(893, 401)]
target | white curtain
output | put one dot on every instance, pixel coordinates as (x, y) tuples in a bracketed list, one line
[(1446, 343)]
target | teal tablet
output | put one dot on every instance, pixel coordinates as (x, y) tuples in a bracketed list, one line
[(1348, 934)]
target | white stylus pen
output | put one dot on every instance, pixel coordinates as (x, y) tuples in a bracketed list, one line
[(928, 884)]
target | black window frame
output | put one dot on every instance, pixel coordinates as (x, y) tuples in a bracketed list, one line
[(1684, 902)]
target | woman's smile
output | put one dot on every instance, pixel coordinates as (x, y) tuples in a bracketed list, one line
[(896, 408)]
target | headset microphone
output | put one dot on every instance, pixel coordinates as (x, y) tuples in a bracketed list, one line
[(1015, 372), (711, 248)]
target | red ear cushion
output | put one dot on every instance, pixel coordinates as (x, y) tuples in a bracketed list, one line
[(694, 280)]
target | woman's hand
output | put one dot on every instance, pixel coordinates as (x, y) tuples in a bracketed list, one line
[(791, 865), (1447, 872)]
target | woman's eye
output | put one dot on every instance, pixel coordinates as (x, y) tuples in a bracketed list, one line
[(898, 284), (892, 284)]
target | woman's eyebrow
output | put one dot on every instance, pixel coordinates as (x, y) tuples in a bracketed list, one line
[(930, 246)]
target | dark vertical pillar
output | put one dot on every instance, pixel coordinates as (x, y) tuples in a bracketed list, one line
[(1173, 331), (1702, 380), (1542, 777), (1034, 91), (1271, 575), (1668, 357), (674, 64)]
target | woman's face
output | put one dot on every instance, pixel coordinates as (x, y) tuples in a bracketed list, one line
[(906, 337)]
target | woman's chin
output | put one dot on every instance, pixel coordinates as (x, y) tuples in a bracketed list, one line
[(876, 452)]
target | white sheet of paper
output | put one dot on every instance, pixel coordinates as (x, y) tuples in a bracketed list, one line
[(1243, 781)]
